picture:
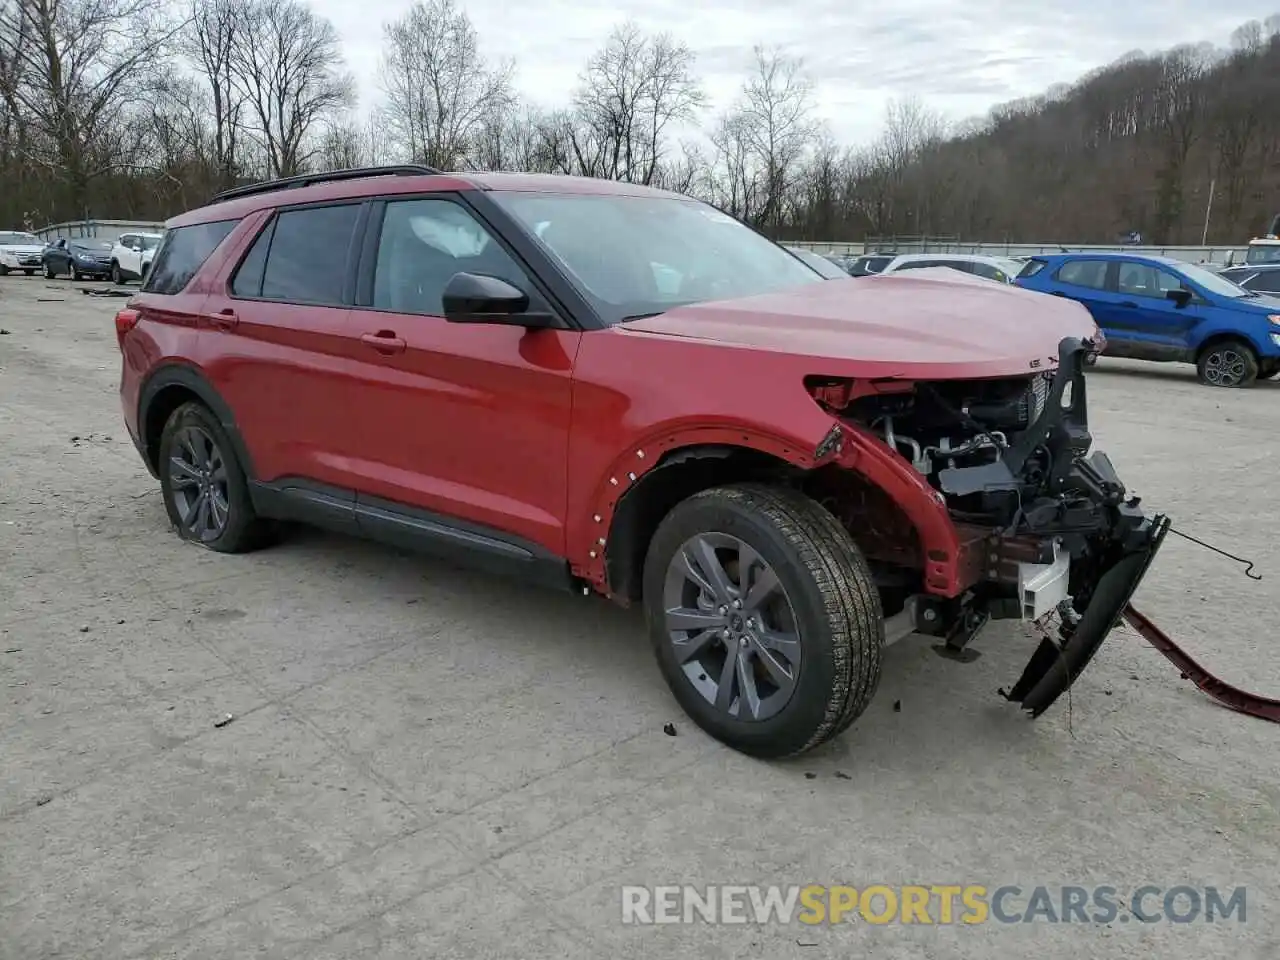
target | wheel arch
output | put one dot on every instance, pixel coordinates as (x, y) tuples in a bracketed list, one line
[(168, 388), (679, 473), (1219, 334)]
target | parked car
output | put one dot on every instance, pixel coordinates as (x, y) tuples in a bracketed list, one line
[(776, 468), (992, 268), (868, 264), (827, 268), (20, 250), (131, 256), (1263, 278), (1161, 309), (80, 259)]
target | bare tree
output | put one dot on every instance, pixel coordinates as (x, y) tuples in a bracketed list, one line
[(768, 132), (209, 41), (286, 62), (440, 90), (78, 66), (632, 92)]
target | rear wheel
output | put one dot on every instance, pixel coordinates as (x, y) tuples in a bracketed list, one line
[(205, 490), (49, 272), (1227, 363), (764, 618), (117, 278), (29, 273)]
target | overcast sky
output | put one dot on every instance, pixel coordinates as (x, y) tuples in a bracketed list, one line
[(960, 57)]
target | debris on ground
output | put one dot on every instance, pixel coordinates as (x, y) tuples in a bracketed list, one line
[(841, 775), (43, 799), (105, 292), (669, 729), (811, 776), (14, 650), (897, 706), (84, 628), (224, 721), (50, 300), (3, 332)]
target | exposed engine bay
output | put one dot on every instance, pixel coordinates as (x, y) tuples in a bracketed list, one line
[(1054, 537)]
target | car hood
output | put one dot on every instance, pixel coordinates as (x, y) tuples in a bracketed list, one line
[(22, 247), (1262, 303), (930, 322)]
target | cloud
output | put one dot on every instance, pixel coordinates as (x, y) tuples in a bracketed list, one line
[(961, 58)]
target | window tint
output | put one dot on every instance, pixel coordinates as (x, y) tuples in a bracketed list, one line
[(922, 264), (876, 264), (423, 244), (1144, 280), (183, 252), (307, 262), (990, 271), (1084, 273), (1031, 268), (248, 279), (1266, 282)]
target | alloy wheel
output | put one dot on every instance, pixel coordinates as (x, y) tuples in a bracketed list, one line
[(1225, 367), (732, 626), (198, 484)]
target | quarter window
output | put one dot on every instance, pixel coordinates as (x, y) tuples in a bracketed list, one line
[(182, 253)]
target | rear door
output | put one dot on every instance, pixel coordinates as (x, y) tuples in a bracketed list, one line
[(285, 366), (1087, 281)]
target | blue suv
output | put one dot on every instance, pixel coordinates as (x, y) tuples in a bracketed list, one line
[(1157, 308)]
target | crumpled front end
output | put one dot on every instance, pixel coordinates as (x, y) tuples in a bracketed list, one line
[(1031, 523)]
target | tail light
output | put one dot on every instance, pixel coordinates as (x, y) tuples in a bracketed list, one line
[(126, 320)]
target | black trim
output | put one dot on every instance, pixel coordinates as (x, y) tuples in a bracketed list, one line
[(328, 176), (180, 375), (412, 528)]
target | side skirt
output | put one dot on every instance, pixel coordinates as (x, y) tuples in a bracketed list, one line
[(421, 531)]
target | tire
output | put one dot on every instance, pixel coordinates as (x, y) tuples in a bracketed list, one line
[(826, 591), (29, 273), (192, 428), (117, 278), (4, 271), (50, 273), (1269, 370), (1227, 363)]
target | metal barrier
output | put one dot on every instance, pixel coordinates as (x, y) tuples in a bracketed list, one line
[(1202, 254), (103, 229)]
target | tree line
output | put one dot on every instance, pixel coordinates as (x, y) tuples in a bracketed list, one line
[(139, 109)]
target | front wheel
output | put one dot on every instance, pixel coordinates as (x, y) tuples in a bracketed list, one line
[(29, 273), (205, 490), (117, 278), (50, 273), (1269, 370), (1227, 363), (764, 618)]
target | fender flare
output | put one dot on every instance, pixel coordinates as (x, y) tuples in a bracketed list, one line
[(189, 378)]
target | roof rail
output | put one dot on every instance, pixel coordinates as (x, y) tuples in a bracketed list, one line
[(329, 176)]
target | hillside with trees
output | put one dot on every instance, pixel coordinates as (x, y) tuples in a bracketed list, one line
[(138, 109)]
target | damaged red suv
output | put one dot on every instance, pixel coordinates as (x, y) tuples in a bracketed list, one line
[(621, 391)]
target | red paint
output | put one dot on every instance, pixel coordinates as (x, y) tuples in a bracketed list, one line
[(539, 433)]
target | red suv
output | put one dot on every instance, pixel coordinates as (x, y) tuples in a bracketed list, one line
[(622, 391)]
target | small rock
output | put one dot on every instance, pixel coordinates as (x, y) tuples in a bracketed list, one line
[(84, 628), (1134, 676), (1107, 692), (224, 721), (497, 829), (841, 775), (43, 799), (118, 622), (811, 776), (669, 729), (897, 706), (3, 332)]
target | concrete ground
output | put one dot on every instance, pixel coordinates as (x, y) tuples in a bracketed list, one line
[(424, 762)]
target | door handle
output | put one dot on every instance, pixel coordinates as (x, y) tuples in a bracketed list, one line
[(1128, 303), (224, 319), (384, 341)]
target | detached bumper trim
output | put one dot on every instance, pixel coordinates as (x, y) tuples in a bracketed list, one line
[(1053, 669)]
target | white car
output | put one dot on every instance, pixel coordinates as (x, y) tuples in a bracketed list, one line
[(1001, 269), (131, 256), (20, 250)]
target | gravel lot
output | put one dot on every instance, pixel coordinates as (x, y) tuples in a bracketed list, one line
[(426, 762)]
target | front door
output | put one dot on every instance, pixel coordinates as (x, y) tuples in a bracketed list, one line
[(468, 421), (1159, 329)]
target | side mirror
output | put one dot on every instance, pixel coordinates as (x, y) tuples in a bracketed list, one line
[(1180, 298), (476, 298)]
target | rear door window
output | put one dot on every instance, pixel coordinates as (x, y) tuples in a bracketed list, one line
[(309, 254), (1084, 273), (182, 253)]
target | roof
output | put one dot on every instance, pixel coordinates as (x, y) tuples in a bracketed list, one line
[(377, 184), (964, 257), (1109, 255)]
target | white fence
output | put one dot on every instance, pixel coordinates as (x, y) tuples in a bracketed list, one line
[(97, 229), (1187, 254)]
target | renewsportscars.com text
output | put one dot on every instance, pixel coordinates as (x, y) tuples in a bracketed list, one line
[(930, 904)]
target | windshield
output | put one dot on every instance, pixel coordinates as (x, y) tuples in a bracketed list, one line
[(149, 243), (19, 239), (820, 263), (1211, 281), (1262, 253), (636, 256)]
